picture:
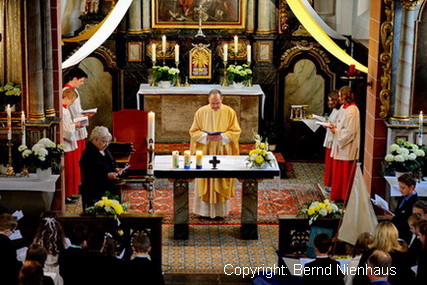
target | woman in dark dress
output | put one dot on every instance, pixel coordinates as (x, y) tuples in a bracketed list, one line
[(98, 167)]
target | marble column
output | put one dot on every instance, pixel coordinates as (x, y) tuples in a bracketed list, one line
[(405, 61), (135, 17), (146, 16), (35, 61), (264, 7), (250, 16), (47, 61)]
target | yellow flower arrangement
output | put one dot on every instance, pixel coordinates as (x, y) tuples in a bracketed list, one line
[(259, 156), (108, 205), (324, 209)]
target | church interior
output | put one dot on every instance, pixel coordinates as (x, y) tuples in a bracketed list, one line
[(298, 52)]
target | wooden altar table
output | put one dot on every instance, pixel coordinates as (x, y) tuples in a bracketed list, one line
[(175, 108), (230, 167)]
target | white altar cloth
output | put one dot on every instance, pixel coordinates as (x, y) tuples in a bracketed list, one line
[(30, 183), (200, 89)]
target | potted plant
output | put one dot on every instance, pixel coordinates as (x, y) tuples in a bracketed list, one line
[(10, 93), (239, 74), (44, 157), (270, 131), (165, 75), (404, 157)]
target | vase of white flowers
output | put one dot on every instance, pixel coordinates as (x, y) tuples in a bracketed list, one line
[(44, 174), (404, 157), (165, 75), (239, 74)]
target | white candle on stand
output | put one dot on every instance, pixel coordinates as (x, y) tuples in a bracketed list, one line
[(153, 52), (164, 44), (225, 56), (176, 53), (9, 122), (249, 52), (24, 142), (151, 126), (236, 45), (420, 129), (150, 143)]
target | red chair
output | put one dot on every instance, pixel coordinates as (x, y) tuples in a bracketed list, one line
[(130, 125)]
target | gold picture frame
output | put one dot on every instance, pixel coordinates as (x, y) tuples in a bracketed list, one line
[(134, 51), (217, 14)]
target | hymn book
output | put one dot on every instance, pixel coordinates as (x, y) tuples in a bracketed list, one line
[(212, 133), (88, 111), (319, 118), (84, 121), (381, 203)]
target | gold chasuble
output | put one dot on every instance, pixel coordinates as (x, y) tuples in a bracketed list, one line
[(213, 194)]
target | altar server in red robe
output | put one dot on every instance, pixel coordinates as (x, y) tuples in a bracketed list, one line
[(333, 103), (346, 143), (69, 135)]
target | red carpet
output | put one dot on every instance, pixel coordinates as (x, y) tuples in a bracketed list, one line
[(271, 202)]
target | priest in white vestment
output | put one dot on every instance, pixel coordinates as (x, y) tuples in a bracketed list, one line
[(212, 195)]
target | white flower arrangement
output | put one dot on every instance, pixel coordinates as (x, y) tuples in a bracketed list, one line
[(404, 156), (323, 209), (165, 73), (108, 205), (260, 155), (44, 154)]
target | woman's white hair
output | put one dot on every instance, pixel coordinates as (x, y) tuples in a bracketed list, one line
[(100, 132)]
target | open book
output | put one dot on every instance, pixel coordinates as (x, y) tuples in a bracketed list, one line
[(84, 121), (319, 118), (93, 110), (381, 203), (325, 124), (212, 133)]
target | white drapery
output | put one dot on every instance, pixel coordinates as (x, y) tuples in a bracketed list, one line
[(101, 35)]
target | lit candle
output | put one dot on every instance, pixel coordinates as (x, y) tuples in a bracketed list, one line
[(199, 159), (151, 126), (164, 44), (24, 142), (176, 53), (225, 56), (153, 52), (187, 157), (236, 44), (249, 52), (9, 122), (150, 143), (420, 129), (175, 159)]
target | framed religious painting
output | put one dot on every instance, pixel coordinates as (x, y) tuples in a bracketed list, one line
[(200, 62), (213, 14)]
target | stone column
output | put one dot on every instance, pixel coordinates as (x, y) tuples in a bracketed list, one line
[(135, 17), (404, 68), (264, 12), (146, 16), (250, 16), (35, 64), (47, 60)]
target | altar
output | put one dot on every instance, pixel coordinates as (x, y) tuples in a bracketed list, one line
[(230, 167), (176, 106)]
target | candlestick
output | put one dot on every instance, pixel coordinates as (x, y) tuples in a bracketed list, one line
[(249, 52), (10, 171), (175, 159), (150, 143), (224, 81), (225, 55), (153, 81), (176, 53), (187, 157), (24, 142), (420, 129), (199, 159), (177, 82), (248, 82), (9, 122)]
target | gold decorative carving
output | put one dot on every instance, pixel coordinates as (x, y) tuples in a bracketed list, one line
[(309, 47), (200, 61), (410, 4), (386, 57), (283, 16)]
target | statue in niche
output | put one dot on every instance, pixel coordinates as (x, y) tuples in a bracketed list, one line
[(90, 7)]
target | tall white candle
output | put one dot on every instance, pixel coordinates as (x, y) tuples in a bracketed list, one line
[(9, 122), (176, 53), (151, 127), (249, 52), (153, 52), (24, 142), (420, 129), (236, 45), (225, 56), (164, 44)]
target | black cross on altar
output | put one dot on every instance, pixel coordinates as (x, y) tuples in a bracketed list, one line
[(214, 162)]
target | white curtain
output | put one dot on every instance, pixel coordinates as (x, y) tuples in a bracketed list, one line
[(101, 35)]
